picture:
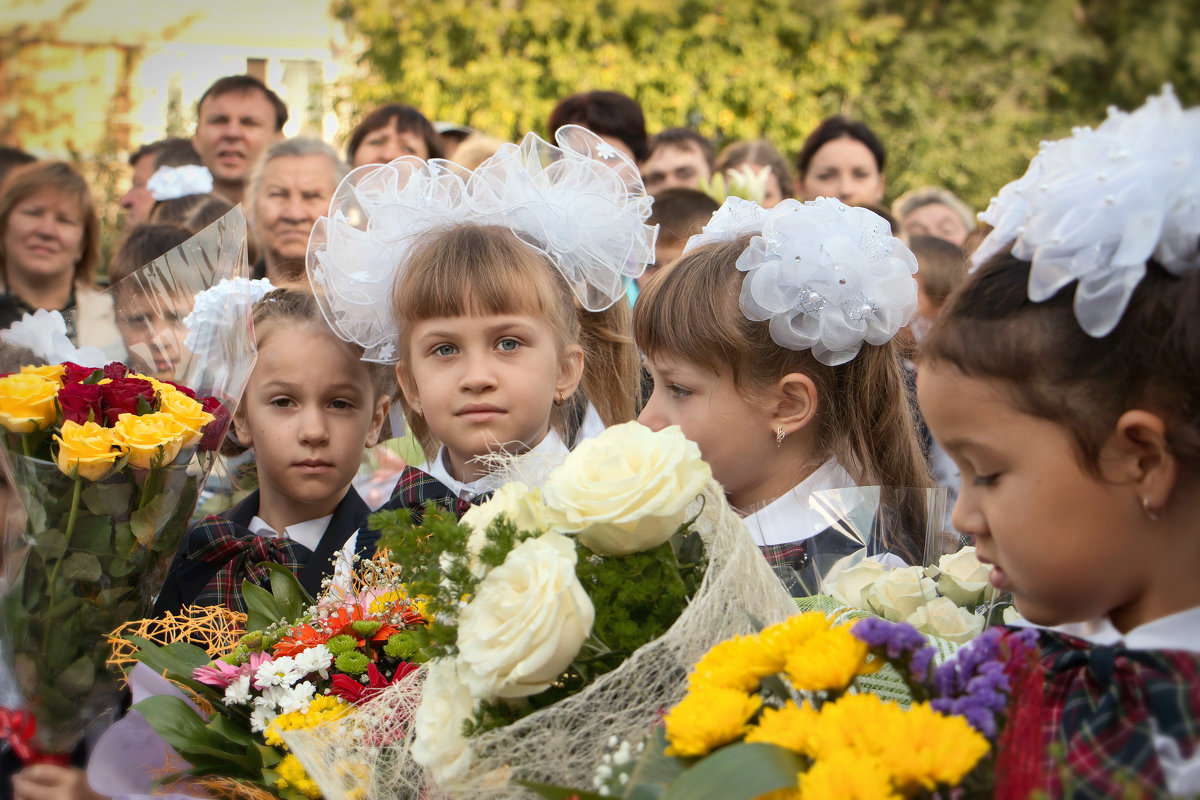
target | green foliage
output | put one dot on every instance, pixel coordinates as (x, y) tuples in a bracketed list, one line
[(960, 91)]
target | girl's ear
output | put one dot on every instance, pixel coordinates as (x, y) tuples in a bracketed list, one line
[(239, 429), (382, 404), (1139, 454), (408, 387), (570, 371), (793, 402)]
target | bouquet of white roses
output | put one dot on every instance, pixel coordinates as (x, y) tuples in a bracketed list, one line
[(562, 617)]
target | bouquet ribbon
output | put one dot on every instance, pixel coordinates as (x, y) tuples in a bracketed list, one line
[(18, 729)]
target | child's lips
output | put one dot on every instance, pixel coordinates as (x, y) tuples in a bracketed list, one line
[(997, 577), (313, 466), (479, 412)]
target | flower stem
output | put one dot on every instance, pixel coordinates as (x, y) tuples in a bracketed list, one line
[(53, 587)]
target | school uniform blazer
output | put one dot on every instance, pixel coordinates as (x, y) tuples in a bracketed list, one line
[(197, 578)]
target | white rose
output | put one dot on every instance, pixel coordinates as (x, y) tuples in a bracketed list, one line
[(628, 489), (898, 594), (1013, 617), (522, 506), (526, 622), (941, 617), (439, 743), (963, 577), (847, 584)]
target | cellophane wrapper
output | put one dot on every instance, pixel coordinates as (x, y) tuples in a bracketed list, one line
[(63, 594), (369, 753)]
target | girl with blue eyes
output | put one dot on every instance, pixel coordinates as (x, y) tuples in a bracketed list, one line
[(498, 298), (770, 344)]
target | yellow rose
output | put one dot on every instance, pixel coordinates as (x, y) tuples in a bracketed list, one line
[(51, 372), (151, 438), (186, 411), (89, 449), (27, 402)]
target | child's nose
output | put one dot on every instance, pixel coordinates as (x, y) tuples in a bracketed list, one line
[(651, 417), (313, 429), (479, 373)]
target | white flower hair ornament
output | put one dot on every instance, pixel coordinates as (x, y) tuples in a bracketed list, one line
[(827, 277), (172, 183), (581, 203), (355, 254), (1096, 206), (734, 219), (214, 314)]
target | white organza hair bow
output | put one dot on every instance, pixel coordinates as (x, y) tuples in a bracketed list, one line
[(581, 203), (1096, 206), (172, 183), (826, 276)]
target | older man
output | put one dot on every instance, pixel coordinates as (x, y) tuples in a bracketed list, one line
[(289, 188), (236, 118)]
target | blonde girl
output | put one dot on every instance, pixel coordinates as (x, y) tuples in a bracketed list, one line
[(500, 301)]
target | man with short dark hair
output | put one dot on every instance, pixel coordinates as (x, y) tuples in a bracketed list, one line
[(236, 118), (170, 152), (679, 157)]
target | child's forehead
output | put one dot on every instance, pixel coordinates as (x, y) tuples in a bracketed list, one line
[(308, 348)]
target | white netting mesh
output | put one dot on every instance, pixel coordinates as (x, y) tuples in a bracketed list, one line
[(368, 754)]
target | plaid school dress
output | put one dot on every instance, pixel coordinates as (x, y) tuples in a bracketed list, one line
[(220, 552), (415, 488), (1085, 716)]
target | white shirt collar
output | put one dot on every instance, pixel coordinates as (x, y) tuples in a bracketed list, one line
[(544, 456), (307, 533), (1178, 631), (790, 518)]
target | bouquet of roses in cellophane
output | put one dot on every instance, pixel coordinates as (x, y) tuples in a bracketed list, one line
[(563, 616), (289, 664), (107, 463)]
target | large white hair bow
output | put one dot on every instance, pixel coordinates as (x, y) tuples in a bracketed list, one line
[(581, 203), (1096, 206), (826, 276)]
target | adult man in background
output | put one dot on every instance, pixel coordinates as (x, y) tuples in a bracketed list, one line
[(236, 118), (170, 152), (679, 158)]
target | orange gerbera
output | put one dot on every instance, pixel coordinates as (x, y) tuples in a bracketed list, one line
[(342, 620), (300, 638)]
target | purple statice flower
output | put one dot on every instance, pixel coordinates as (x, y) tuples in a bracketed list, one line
[(895, 638), (921, 660), (974, 684)]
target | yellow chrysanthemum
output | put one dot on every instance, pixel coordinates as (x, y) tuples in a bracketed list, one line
[(385, 602), (791, 635), (858, 722), (927, 749), (707, 719), (828, 661), (737, 663), (846, 775), (322, 709), (292, 775), (790, 727)]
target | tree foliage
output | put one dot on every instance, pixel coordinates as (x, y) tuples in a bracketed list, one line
[(961, 91)]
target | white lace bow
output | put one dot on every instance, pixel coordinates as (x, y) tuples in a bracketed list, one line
[(1094, 207), (581, 203), (172, 183), (826, 276)]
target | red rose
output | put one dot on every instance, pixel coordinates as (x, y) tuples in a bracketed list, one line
[(115, 370), (80, 402), (75, 373), (122, 396), (213, 432)]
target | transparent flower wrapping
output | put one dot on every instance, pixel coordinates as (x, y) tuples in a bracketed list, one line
[(562, 744), (92, 554)]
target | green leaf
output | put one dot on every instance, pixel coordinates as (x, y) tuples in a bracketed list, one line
[(108, 499), (93, 535), (262, 610), (290, 596), (176, 721), (655, 771), (50, 544), (146, 521), (738, 772), (559, 792), (81, 566), (78, 677)]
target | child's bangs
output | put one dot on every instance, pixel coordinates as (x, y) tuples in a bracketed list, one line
[(689, 311), (474, 270)]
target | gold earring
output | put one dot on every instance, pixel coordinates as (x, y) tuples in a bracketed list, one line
[(1151, 514), (779, 434), (559, 399)]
